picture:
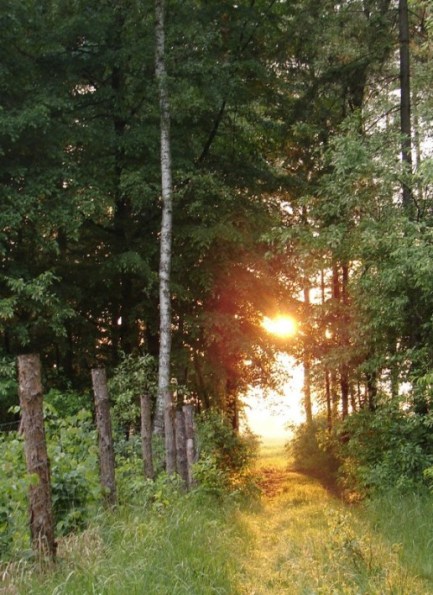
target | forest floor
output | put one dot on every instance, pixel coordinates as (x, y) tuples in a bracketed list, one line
[(304, 540)]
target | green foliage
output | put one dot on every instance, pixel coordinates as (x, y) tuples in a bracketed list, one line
[(73, 454), (390, 448), (310, 450), (76, 492), (8, 391), (132, 486), (67, 402), (13, 494), (224, 455), (133, 377)]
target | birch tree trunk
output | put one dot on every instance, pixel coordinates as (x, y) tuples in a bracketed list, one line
[(103, 422), (32, 426), (164, 403)]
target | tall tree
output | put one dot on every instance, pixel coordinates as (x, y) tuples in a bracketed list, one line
[(165, 398)]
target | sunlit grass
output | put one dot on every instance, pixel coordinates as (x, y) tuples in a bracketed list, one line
[(304, 541), (272, 453), (299, 541)]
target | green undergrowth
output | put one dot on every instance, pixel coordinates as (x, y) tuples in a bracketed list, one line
[(299, 539), (187, 548)]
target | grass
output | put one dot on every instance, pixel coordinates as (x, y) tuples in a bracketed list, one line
[(181, 550), (299, 540), (305, 541)]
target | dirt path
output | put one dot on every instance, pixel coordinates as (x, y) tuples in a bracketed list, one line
[(302, 540)]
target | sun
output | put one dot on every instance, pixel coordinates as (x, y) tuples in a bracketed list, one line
[(281, 326)]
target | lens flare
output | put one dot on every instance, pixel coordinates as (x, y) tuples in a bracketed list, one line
[(281, 326)]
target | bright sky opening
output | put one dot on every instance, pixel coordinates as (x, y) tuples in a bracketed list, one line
[(268, 415)]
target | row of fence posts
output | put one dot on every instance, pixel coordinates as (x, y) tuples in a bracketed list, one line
[(32, 427)]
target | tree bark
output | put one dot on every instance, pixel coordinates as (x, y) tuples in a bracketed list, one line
[(307, 363), (32, 426), (328, 400), (344, 368), (164, 404), (405, 104), (103, 422), (146, 436), (181, 454), (191, 451)]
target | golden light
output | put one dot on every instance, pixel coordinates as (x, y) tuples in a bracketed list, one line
[(281, 326)]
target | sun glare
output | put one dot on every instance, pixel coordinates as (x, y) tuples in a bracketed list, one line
[(281, 326)]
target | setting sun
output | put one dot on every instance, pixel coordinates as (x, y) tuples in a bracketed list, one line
[(281, 326)]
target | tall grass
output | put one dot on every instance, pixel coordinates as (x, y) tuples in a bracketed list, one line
[(184, 549), (300, 540), (406, 522)]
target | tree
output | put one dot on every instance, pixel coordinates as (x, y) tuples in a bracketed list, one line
[(165, 399)]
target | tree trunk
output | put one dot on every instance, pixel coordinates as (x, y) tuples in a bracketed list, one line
[(405, 104), (181, 454), (328, 399), (345, 342), (32, 426), (191, 453), (103, 422), (146, 435), (372, 390), (164, 404), (307, 362)]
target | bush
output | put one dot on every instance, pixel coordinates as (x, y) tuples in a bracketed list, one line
[(312, 449), (73, 454), (132, 377), (132, 486), (391, 447), (224, 455)]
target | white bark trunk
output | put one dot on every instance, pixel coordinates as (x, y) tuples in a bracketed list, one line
[(164, 404)]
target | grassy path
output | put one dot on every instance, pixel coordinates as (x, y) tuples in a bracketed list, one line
[(302, 540)]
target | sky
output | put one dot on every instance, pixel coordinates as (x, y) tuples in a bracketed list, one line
[(269, 415)]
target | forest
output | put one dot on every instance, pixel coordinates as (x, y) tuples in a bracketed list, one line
[(172, 174)]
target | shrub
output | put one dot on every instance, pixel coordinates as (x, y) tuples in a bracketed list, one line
[(312, 449), (133, 376), (73, 455), (224, 455), (391, 447)]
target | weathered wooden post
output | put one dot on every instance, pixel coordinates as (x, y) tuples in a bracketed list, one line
[(191, 454), (181, 456), (103, 423), (146, 435), (32, 427)]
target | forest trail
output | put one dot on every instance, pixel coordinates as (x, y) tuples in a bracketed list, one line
[(303, 540)]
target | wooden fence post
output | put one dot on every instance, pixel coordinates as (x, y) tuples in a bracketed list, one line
[(32, 426), (181, 454), (146, 435), (103, 422), (191, 453)]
